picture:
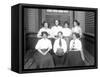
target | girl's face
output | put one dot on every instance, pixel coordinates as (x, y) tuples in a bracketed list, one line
[(66, 25), (44, 35), (46, 25), (57, 22), (75, 24), (74, 36), (60, 35)]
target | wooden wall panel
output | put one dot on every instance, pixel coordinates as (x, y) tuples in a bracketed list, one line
[(89, 23)]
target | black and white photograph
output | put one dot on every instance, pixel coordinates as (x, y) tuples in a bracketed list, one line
[(57, 38), (49, 38)]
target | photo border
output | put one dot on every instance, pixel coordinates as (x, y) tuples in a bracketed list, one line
[(22, 6)]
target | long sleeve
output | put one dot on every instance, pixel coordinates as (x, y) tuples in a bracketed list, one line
[(39, 33), (80, 31), (37, 45), (71, 43), (64, 46), (79, 45), (50, 45), (55, 46)]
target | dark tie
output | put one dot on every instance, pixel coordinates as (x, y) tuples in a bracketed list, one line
[(60, 43)]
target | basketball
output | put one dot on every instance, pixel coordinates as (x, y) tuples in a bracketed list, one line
[(60, 52)]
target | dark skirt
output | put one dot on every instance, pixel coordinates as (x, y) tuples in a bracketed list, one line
[(43, 61), (68, 39), (60, 61), (74, 59)]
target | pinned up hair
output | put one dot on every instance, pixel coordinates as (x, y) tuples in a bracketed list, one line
[(77, 22), (44, 23), (60, 32), (44, 32), (66, 22), (77, 35), (58, 21)]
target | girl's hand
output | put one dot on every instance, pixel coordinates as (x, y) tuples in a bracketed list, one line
[(83, 58)]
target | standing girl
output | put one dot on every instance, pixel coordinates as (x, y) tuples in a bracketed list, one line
[(77, 28), (67, 32), (55, 29), (44, 28)]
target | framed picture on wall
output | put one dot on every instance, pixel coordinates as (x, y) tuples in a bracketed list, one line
[(53, 38)]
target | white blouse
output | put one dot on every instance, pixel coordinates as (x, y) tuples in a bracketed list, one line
[(76, 44), (55, 30), (67, 32), (77, 30), (56, 45), (42, 30), (43, 44)]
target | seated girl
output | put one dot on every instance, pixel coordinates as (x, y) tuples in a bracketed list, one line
[(60, 49), (43, 58), (75, 54)]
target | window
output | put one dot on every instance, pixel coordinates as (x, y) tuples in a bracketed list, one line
[(57, 11)]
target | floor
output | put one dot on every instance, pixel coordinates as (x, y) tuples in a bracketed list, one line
[(29, 61)]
